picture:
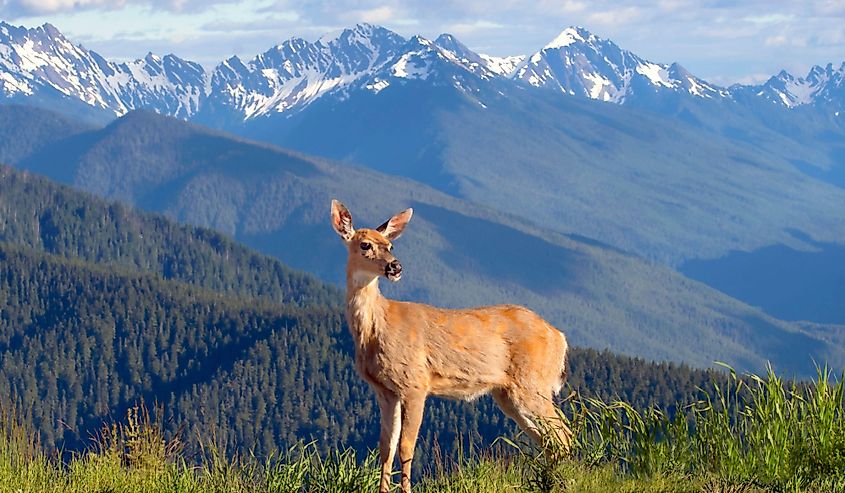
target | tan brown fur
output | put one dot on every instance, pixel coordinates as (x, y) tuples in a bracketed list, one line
[(407, 351)]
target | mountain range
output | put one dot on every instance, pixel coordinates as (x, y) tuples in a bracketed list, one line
[(41, 64)]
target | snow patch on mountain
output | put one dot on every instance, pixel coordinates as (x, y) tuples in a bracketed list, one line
[(503, 66), (377, 86), (408, 68), (657, 74), (568, 36)]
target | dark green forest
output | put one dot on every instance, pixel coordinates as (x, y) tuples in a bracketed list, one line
[(102, 307), (50, 218)]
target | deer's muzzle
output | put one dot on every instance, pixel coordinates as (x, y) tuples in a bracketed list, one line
[(393, 271)]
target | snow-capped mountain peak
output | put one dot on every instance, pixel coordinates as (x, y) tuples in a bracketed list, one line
[(445, 62), (297, 72), (477, 62), (579, 63), (463, 55), (822, 85), (41, 60), (569, 36), (51, 30), (451, 43), (445, 57)]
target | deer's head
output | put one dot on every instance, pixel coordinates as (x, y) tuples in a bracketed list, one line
[(370, 250)]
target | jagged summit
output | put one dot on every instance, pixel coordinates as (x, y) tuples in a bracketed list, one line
[(479, 63), (297, 72), (568, 36), (445, 61), (822, 85), (362, 29), (579, 63), (451, 43)]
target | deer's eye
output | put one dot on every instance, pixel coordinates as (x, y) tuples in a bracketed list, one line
[(365, 246)]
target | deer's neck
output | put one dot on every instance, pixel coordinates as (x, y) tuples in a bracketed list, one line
[(365, 307)]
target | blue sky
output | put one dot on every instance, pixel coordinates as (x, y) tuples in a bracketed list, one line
[(724, 41)]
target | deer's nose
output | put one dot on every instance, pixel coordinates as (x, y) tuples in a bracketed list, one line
[(393, 270)]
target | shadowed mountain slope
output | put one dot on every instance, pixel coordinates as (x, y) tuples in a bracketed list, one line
[(662, 187)]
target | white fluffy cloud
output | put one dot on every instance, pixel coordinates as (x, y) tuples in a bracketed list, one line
[(58, 5), (12, 9), (17, 8)]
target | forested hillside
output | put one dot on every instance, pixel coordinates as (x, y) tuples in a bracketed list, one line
[(101, 306), (80, 342), (44, 216), (34, 129)]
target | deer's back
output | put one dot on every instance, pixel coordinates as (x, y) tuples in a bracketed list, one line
[(465, 353)]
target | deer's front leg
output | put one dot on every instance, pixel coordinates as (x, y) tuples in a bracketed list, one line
[(391, 421), (412, 414)]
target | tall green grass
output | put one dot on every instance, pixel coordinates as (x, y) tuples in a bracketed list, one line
[(747, 434)]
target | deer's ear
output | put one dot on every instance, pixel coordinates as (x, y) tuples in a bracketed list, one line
[(394, 226), (342, 221)]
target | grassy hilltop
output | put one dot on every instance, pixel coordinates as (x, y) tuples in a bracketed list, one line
[(747, 434)]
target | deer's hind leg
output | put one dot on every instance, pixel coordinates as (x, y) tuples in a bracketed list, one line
[(544, 410), (535, 414), (514, 409)]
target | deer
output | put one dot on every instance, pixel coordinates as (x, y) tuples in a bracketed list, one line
[(407, 351)]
